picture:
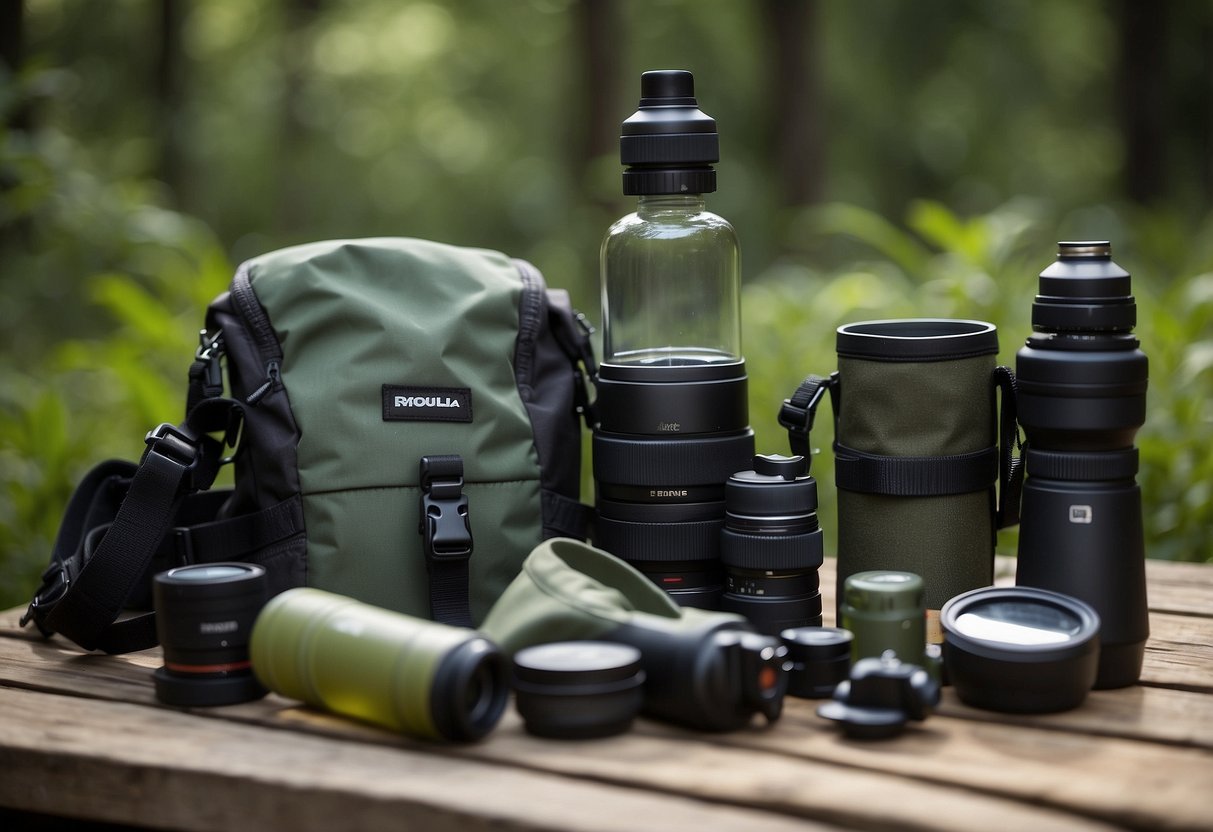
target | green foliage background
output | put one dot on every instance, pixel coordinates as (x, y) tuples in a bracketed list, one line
[(960, 142)]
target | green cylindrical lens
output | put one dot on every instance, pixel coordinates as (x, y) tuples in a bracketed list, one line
[(418, 677), (884, 611)]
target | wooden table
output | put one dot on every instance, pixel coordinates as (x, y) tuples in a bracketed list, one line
[(82, 736)]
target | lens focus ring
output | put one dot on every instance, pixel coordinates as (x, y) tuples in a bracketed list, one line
[(777, 553)]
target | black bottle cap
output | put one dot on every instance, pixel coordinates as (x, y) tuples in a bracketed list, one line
[(669, 145)]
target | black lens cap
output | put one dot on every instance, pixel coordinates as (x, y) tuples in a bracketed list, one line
[(578, 689), (820, 657), (1020, 649)]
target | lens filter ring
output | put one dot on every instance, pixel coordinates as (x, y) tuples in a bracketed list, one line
[(1020, 649)]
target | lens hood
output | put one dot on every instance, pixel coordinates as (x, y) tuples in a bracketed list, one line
[(1020, 649)]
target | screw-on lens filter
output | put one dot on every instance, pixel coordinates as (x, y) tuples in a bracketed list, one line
[(1020, 649), (578, 689)]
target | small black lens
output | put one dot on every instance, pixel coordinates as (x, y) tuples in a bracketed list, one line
[(771, 546), (204, 615)]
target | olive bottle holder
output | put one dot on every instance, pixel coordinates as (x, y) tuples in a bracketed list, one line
[(918, 449)]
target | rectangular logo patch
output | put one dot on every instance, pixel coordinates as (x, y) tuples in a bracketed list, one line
[(426, 404)]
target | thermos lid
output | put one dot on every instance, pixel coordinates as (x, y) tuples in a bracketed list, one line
[(883, 591), (1020, 649)]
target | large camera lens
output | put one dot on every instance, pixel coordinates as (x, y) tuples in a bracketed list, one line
[(419, 677), (204, 614), (771, 545), (1082, 397)]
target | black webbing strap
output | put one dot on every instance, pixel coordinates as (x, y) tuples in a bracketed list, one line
[(914, 476), (446, 536), (563, 516), (1010, 466), (800, 410), (91, 576)]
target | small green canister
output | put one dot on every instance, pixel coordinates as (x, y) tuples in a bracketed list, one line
[(884, 611)]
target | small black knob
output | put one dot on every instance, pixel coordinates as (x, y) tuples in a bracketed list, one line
[(777, 465)]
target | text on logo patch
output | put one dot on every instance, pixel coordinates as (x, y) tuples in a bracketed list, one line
[(426, 404)]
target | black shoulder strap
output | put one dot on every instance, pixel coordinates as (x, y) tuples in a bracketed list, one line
[(91, 576), (113, 527)]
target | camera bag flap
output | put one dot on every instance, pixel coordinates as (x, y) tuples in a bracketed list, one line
[(404, 419)]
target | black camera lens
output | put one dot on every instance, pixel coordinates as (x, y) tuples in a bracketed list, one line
[(661, 497), (1081, 399), (204, 615), (771, 546)]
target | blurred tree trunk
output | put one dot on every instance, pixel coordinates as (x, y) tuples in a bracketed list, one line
[(20, 117), (169, 93), (796, 110), (12, 52), (1143, 94), (598, 39), (292, 200)]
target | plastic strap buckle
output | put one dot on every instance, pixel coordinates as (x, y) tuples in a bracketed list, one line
[(181, 446), (445, 529), (55, 583), (798, 413), (446, 537)]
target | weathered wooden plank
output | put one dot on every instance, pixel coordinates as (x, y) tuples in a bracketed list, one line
[(1179, 653), (186, 761), (1140, 712), (1180, 588), (1131, 783), (641, 759), (158, 767)]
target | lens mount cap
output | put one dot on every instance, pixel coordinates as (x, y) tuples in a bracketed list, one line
[(1020, 649)]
